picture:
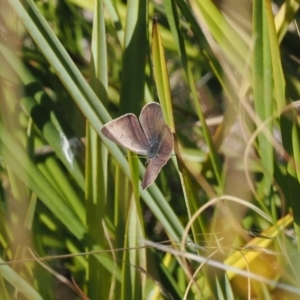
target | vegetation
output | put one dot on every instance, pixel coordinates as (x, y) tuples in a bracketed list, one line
[(222, 220)]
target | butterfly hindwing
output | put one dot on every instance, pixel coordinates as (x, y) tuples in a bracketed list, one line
[(155, 166), (154, 127)]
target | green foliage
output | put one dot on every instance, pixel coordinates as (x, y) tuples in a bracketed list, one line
[(74, 220)]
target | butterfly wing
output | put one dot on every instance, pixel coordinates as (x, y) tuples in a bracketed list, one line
[(126, 131), (152, 120), (161, 159)]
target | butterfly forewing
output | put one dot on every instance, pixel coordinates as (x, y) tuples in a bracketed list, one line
[(126, 131), (152, 120)]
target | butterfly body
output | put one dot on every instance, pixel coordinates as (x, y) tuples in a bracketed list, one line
[(150, 137), (154, 146)]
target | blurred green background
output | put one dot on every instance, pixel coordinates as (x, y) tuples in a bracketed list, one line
[(222, 220)]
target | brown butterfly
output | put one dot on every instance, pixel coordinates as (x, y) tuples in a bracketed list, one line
[(151, 137)]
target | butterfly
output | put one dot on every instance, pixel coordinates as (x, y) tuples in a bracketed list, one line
[(150, 136)]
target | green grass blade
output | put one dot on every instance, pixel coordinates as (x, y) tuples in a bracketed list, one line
[(21, 165), (135, 46), (18, 282), (231, 42), (96, 161), (115, 19), (161, 76), (289, 128), (263, 84), (174, 24), (54, 127)]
